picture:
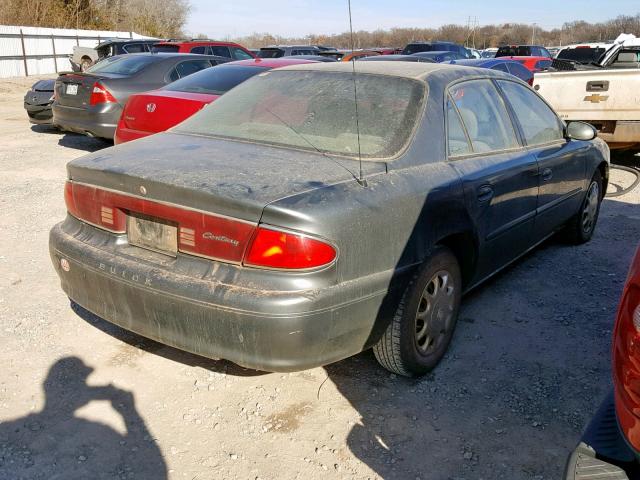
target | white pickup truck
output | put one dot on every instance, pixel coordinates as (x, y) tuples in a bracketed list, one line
[(606, 94)]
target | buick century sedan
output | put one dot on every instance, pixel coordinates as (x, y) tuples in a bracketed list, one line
[(316, 211)]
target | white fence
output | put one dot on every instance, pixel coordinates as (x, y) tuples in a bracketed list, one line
[(28, 51)]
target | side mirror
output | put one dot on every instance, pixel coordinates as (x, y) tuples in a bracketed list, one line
[(581, 131)]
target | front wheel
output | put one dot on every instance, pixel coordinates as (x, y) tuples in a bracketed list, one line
[(581, 227), (422, 327)]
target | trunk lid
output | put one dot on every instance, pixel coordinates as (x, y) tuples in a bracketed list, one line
[(160, 110), (74, 89), (230, 178)]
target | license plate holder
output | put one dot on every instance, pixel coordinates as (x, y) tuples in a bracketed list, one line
[(153, 234), (71, 89)]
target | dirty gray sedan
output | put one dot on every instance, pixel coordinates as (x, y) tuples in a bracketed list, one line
[(283, 228)]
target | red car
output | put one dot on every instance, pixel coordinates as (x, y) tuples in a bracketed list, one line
[(610, 446), (534, 64), (221, 49), (158, 110)]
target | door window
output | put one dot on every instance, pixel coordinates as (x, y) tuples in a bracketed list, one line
[(134, 48), (539, 123), (220, 51), (192, 66), (240, 54), (484, 116), (501, 67), (201, 50), (456, 138)]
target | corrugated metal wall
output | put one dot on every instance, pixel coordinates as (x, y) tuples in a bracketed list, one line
[(45, 50)]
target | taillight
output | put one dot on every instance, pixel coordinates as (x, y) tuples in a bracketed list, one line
[(626, 356), (199, 233), (100, 94), (286, 250)]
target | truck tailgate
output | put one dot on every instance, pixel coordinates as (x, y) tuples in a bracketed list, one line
[(592, 94)]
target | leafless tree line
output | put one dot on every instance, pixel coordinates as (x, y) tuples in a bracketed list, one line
[(157, 18), (480, 37)]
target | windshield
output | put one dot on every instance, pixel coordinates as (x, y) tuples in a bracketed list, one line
[(521, 51), (124, 65), (315, 110), (270, 53), (216, 80), (418, 47), (581, 54)]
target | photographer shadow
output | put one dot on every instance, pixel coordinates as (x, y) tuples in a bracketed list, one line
[(55, 443)]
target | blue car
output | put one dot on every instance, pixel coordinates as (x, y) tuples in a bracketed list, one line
[(508, 66)]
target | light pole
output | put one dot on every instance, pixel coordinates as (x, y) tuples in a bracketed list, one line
[(533, 35)]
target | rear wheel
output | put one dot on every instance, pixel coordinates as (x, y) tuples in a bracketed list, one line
[(423, 325), (581, 227)]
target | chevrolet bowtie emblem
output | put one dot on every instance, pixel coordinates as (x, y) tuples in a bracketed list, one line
[(596, 98)]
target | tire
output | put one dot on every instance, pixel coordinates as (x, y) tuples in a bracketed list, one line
[(416, 340), (580, 228)]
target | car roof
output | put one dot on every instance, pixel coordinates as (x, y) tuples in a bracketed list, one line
[(289, 46), (485, 62), (196, 42), (529, 58), (271, 62), (111, 41), (422, 42), (412, 70), (432, 53)]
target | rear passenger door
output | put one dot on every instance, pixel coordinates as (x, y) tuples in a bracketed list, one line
[(499, 176), (186, 68), (562, 163)]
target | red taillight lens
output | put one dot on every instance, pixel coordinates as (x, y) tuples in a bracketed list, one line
[(100, 94), (626, 357), (199, 233), (285, 250)]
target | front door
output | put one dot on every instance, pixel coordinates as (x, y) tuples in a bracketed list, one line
[(499, 176), (561, 163)]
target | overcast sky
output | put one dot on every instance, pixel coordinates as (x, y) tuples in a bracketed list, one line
[(300, 17)]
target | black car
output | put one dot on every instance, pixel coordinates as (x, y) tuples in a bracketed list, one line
[(92, 102), (522, 51), (417, 47), (38, 100)]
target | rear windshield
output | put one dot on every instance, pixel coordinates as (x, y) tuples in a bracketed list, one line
[(581, 54), (514, 52), (418, 47), (270, 53), (165, 49), (125, 65), (316, 111), (216, 80)]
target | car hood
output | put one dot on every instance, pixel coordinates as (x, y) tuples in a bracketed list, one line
[(231, 178)]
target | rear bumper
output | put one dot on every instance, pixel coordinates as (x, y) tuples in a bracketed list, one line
[(622, 132), (39, 114), (98, 120), (253, 327), (603, 453)]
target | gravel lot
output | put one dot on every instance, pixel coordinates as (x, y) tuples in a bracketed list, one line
[(80, 398)]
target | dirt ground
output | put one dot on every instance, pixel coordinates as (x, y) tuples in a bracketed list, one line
[(80, 398)]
